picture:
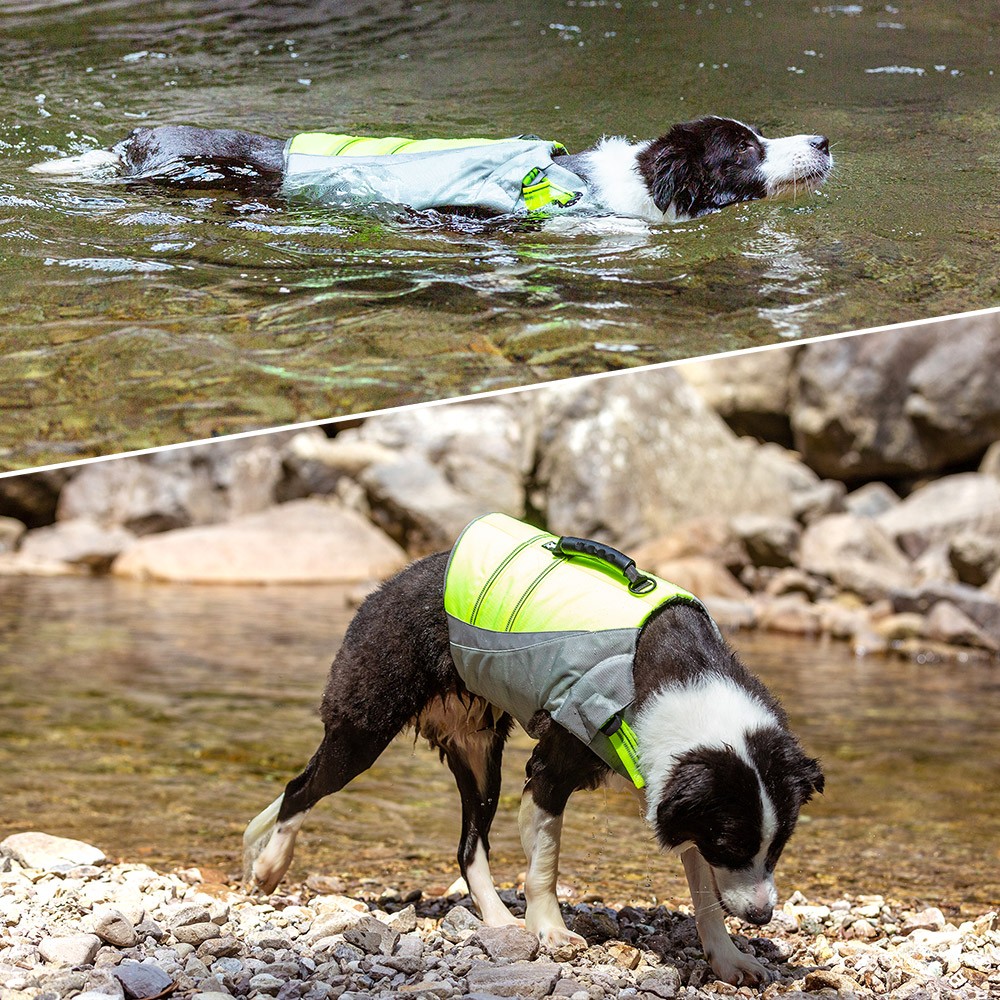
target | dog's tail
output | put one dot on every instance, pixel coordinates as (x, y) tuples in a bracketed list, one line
[(257, 834), (95, 164)]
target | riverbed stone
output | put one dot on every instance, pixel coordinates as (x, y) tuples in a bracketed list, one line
[(948, 623), (11, 531), (458, 923), (769, 541), (113, 927), (856, 554), (372, 936), (510, 943), (944, 508), (519, 979), (44, 851), (302, 541), (196, 934), (871, 500), (69, 949), (974, 557)]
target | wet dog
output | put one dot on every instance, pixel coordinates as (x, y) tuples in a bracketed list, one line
[(695, 168), (724, 777)]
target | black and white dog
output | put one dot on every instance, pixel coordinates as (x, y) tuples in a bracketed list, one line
[(696, 168), (725, 778)]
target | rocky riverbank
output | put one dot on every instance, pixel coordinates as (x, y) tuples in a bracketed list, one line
[(897, 550), (75, 927)]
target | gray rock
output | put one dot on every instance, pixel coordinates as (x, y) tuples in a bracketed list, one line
[(856, 554), (749, 391), (898, 403), (507, 943), (404, 920), (871, 500), (974, 557), (48, 853), (519, 979), (937, 512), (80, 542), (212, 995), (196, 934), (113, 927), (979, 605), (948, 624), (372, 936), (607, 469), (220, 947), (303, 541), (769, 541), (264, 982), (664, 983), (595, 925), (142, 980), (11, 531), (334, 922), (70, 949), (458, 923), (187, 913)]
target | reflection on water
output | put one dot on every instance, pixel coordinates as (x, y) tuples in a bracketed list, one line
[(131, 316), (155, 721)]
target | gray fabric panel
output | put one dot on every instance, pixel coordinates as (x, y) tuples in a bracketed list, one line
[(480, 638), (581, 679), (487, 176)]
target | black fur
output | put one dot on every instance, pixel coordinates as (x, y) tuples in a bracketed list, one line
[(703, 165)]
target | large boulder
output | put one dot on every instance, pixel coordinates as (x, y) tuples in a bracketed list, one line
[(628, 459), (303, 541), (446, 465), (899, 403), (749, 391), (856, 554), (968, 503), (178, 487)]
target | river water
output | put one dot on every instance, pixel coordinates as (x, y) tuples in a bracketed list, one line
[(154, 721), (133, 316)]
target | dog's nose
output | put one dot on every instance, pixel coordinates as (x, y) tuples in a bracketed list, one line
[(758, 914), (821, 143)]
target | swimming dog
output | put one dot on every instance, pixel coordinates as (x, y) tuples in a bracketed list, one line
[(724, 778), (695, 168)]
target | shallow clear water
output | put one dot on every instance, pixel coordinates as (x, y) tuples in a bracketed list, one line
[(155, 721), (133, 316)]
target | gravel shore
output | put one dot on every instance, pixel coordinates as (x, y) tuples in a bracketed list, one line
[(74, 926)]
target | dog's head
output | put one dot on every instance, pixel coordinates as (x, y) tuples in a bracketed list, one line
[(704, 165), (739, 808)]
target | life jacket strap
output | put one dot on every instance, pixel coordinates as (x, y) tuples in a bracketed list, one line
[(539, 192), (622, 739)]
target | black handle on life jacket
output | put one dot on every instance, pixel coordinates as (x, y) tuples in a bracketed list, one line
[(568, 545)]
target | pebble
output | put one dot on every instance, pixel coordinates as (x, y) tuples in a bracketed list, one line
[(302, 946)]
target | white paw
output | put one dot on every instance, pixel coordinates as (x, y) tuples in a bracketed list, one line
[(554, 938), (739, 969)]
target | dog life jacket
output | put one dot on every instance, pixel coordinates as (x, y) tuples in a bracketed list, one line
[(533, 628), (500, 175)]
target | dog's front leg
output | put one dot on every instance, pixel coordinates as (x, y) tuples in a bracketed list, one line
[(728, 963), (540, 833)]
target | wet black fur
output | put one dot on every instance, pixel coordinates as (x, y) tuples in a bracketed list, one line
[(703, 165), (395, 660)]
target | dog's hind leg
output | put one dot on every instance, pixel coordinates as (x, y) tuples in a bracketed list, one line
[(474, 760), (559, 766), (344, 753)]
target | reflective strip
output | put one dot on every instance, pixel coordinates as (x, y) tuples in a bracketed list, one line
[(626, 746), (538, 194), (333, 144)]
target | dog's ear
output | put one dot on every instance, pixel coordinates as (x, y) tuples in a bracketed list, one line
[(673, 169), (813, 779), (684, 803)]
